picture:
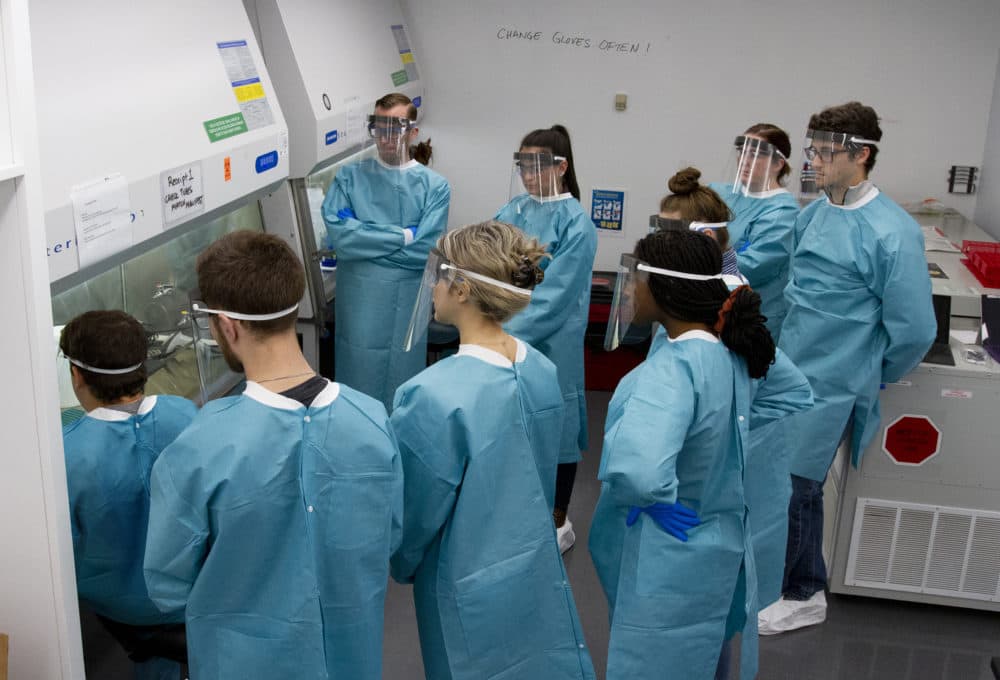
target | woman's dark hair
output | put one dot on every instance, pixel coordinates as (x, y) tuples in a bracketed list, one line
[(107, 339), (695, 202), (422, 151), (777, 138), (556, 140), (735, 316)]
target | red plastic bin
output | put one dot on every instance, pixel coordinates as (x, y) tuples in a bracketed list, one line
[(983, 260)]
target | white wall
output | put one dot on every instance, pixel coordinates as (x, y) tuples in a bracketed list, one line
[(38, 606), (988, 202), (712, 68)]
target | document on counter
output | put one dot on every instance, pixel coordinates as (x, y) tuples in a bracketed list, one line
[(103, 218), (934, 239)]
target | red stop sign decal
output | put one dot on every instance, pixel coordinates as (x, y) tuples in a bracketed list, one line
[(911, 440)]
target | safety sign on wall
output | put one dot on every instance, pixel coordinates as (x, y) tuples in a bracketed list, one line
[(607, 210)]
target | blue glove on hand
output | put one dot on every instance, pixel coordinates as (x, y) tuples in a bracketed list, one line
[(346, 213), (413, 230), (673, 518)]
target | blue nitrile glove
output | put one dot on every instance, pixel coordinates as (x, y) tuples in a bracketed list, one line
[(743, 246), (346, 213), (413, 230), (673, 518)]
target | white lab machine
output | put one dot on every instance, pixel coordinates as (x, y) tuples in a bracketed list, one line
[(159, 131), (920, 519), (330, 60)]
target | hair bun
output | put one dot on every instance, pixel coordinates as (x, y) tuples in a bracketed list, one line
[(685, 181), (528, 274)]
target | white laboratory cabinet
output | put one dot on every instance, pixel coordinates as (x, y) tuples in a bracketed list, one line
[(330, 61), (160, 130), (919, 520)]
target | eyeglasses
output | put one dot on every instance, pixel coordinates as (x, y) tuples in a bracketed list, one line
[(826, 155)]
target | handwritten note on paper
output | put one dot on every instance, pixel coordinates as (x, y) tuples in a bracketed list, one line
[(181, 194), (102, 217), (575, 41)]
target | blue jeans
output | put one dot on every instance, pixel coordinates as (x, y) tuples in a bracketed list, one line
[(805, 571)]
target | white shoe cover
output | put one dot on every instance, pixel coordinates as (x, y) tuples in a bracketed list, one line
[(785, 615), (565, 536)]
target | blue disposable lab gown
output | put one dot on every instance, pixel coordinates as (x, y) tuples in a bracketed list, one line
[(859, 314), (378, 271), (762, 232), (273, 524), (766, 480), (767, 485), (478, 438), (109, 456), (675, 432), (556, 320)]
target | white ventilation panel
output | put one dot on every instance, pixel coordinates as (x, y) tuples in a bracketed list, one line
[(929, 549)]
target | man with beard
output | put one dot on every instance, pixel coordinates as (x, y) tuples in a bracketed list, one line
[(272, 518)]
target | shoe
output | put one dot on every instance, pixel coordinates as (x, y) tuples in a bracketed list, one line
[(565, 536), (785, 615)]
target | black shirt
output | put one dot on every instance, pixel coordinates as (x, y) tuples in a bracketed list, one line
[(304, 393)]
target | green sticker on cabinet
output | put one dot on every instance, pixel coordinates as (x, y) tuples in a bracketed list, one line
[(226, 126)]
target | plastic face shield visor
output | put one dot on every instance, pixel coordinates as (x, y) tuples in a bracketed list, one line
[(631, 271), (658, 223), (200, 313), (538, 175), (823, 145), (391, 135), (754, 165), (438, 270)]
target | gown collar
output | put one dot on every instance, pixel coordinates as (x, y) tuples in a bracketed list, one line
[(694, 335), (492, 357), (405, 166), (111, 415), (264, 396), (857, 196)]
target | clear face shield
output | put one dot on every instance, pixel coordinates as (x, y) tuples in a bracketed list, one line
[(440, 271), (822, 151), (754, 165), (537, 175), (660, 223), (624, 319), (391, 135)]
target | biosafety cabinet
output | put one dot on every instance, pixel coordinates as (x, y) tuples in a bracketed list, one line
[(159, 132), (920, 519), (330, 61)]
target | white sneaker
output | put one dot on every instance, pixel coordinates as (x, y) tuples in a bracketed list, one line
[(785, 615), (565, 536)]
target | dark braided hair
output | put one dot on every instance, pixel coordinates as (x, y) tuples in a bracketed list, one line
[(735, 316)]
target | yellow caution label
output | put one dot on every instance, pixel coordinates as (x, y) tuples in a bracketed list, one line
[(245, 93), (407, 57)]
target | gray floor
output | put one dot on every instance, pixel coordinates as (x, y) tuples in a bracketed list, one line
[(863, 638)]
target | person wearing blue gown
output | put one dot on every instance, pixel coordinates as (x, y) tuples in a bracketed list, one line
[(764, 213), (859, 315), (382, 216), (545, 204), (109, 455), (766, 478), (478, 433), (669, 537), (274, 515)]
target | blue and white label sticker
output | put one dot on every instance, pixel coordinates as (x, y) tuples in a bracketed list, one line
[(331, 137), (266, 161)]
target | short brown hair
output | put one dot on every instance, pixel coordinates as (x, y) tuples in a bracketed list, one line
[(107, 339), (851, 118), (395, 99), (695, 202), (252, 273)]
